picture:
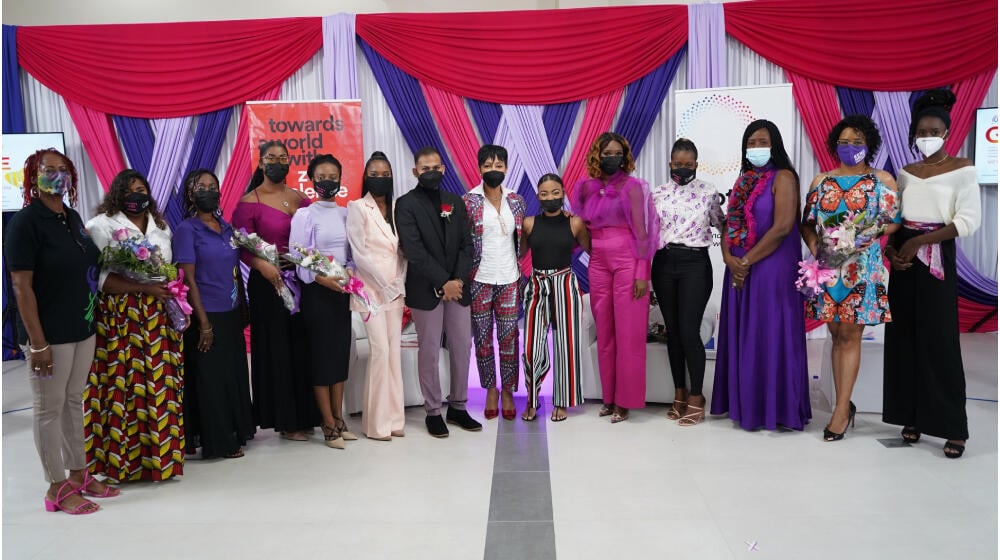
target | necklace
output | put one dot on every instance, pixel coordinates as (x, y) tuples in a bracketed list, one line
[(938, 162)]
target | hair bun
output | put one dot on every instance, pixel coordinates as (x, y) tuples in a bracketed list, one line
[(942, 98), (378, 155)]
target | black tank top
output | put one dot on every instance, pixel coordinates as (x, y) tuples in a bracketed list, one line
[(551, 242)]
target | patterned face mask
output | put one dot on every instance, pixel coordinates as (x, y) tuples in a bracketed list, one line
[(56, 182)]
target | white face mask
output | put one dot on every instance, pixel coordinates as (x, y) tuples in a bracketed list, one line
[(758, 157), (930, 145)]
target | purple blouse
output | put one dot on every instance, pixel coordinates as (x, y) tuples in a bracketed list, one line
[(322, 226), (623, 202), (271, 224), (215, 262)]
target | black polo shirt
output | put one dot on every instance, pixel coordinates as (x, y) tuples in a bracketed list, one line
[(57, 248)]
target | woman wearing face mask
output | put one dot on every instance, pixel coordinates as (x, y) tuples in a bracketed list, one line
[(138, 352), (682, 274), (924, 380), (283, 398), (375, 246), (495, 215), (218, 416), (326, 312), (552, 299), (857, 296), (760, 368), (53, 269), (619, 212)]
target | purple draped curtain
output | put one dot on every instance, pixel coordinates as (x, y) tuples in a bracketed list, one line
[(136, 136), (487, 116), (205, 150), (642, 102)]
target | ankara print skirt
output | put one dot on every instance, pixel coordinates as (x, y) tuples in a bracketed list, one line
[(133, 426)]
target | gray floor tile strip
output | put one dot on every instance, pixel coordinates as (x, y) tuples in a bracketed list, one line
[(520, 519)]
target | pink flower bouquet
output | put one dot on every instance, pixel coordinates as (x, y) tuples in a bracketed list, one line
[(318, 263)]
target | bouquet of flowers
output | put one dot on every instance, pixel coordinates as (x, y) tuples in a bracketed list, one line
[(135, 258), (318, 263), (289, 291)]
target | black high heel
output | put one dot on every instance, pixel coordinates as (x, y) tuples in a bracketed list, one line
[(910, 434), (829, 435)]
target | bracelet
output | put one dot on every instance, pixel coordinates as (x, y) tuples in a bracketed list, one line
[(206, 331), (40, 350)]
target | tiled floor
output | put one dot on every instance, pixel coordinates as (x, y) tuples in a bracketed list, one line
[(643, 489)]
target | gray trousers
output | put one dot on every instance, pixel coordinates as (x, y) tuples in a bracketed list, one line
[(456, 322), (58, 409)]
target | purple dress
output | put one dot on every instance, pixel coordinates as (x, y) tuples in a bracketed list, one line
[(761, 377)]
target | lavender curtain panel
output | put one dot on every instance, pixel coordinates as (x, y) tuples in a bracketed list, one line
[(892, 115), (409, 107), (173, 146), (972, 285), (204, 154), (340, 57), (706, 46), (559, 120), (136, 136)]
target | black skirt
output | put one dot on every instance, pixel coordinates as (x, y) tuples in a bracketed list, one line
[(218, 416), (924, 381), (326, 315), (279, 367)]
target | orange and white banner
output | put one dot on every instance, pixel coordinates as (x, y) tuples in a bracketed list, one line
[(308, 129)]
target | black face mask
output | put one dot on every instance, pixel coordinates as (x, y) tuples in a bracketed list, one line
[(327, 189), (276, 172), (206, 201), (682, 176), (379, 186), (611, 164), (493, 179), (552, 204), (135, 203), (431, 180)]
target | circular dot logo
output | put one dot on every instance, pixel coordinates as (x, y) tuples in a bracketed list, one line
[(716, 123)]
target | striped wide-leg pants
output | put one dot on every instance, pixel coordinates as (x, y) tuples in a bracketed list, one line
[(552, 297)]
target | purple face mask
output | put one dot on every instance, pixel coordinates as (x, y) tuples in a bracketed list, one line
[(851, 154)]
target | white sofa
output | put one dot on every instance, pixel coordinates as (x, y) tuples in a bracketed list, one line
[(659, 382)]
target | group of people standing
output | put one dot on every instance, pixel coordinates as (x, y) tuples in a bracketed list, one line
[(121, 392)]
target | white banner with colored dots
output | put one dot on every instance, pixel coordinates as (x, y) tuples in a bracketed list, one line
[(714, 119)]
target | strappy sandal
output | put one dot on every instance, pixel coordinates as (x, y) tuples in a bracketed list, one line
[(87, 507), (344, 432), (555, 414), (910, 434), (294, 436), (529, 417), (676, 413), (620, 415), (953, 450), (236, 455), (333, 438), (606, 410), (692, 418), (84, 489)]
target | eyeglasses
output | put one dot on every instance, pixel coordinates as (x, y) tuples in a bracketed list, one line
[(849, 143), (271, 158)]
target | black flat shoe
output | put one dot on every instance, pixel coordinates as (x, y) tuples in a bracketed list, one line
[(436, 427), (910, 434), (953, 450), (462, 419)]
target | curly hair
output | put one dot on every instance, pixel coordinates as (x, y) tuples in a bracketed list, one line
[(114, 200), (594, 156), (29, 183), (934, 103), (863, 124), (188, 187)]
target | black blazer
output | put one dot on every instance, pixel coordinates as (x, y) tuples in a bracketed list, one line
[(437, 249)]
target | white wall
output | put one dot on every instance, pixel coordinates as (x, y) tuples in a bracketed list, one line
[(76, 12)]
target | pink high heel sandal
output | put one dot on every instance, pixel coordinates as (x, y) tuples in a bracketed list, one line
[(109, 491), (85, 508)]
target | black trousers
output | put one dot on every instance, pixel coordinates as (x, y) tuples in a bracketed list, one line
[(682, 281)]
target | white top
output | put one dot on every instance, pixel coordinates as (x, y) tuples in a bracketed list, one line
[(948, 198), (498, 264), (687, 213), (102, 227)]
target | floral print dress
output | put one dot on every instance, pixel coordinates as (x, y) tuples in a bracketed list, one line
[(857, 294)]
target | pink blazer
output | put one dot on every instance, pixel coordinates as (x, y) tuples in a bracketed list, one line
[(375, 249)]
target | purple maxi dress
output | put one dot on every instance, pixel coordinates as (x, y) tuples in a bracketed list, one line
[(761, 376)]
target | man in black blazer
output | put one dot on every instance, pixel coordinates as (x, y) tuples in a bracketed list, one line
[(434, 236)]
